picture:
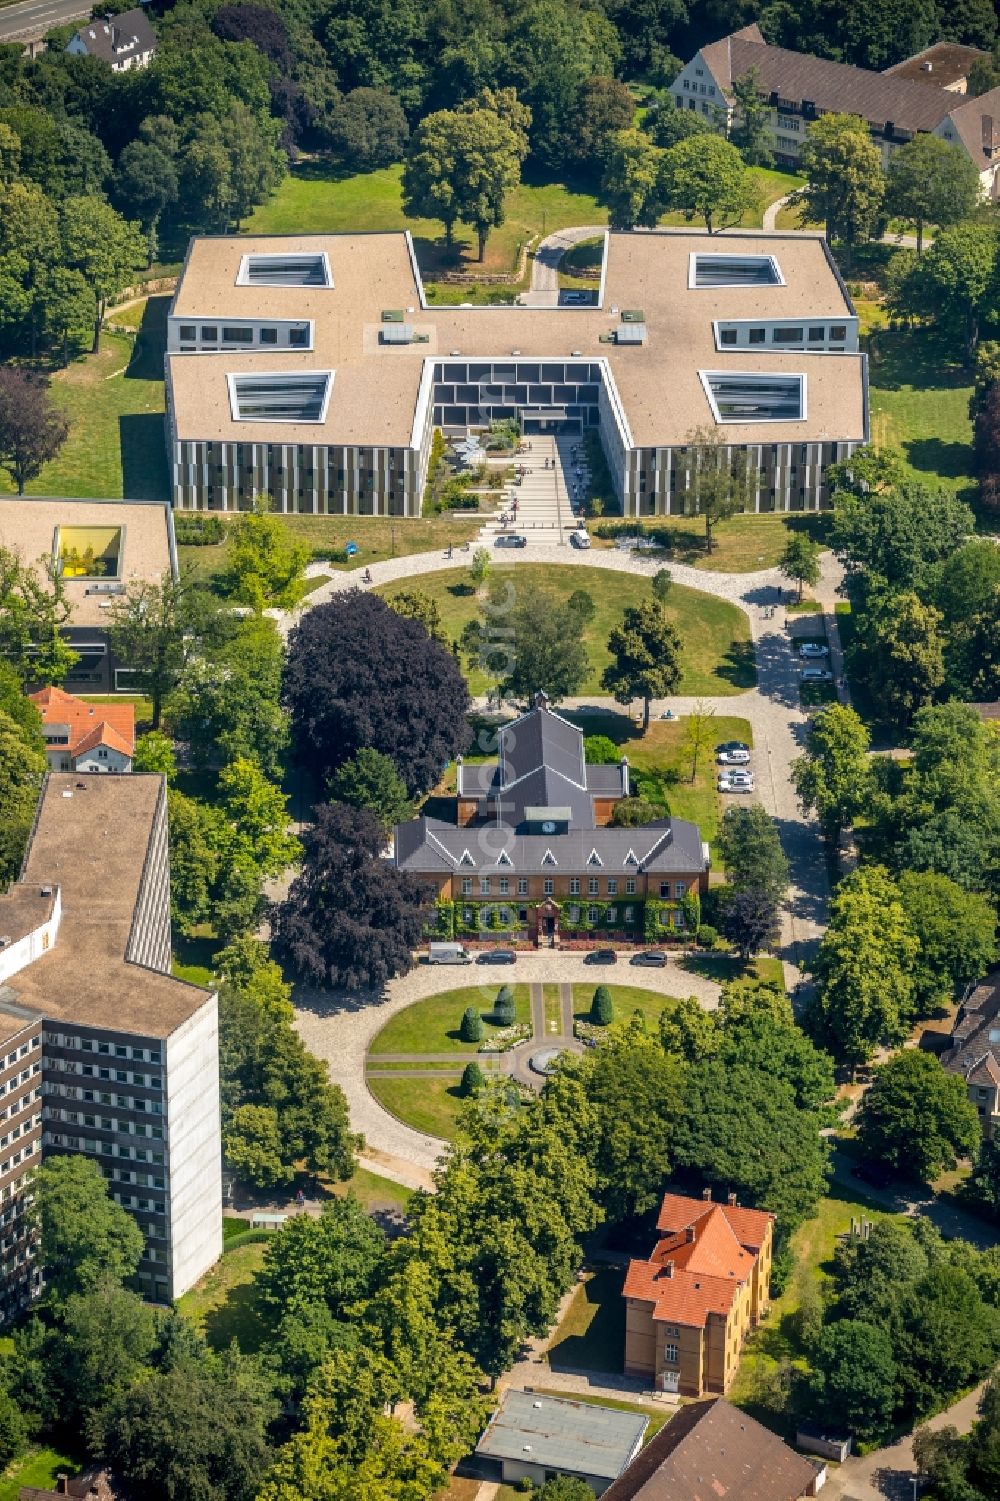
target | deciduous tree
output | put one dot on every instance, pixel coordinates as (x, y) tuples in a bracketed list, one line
[(105, 248), (853, 1378), (147, 628), (335, 1258), (22, 767), (350, 918), (631, 184), (32, 428), (931, 182), (84, 1236), (952, 284), (718, 479), (917, 1117), (349, 681), (704, 178), (645, 652), (846, 184), (749, 919), (541, 642), (750, 849), (264, 563), (461, 165), (749, 133), (370, 780), (864, 978), (956, 931), (33, 613), (833, 778), (800, 560)]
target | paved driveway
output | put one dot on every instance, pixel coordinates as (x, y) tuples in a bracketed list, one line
[(339, 1026), (887, 1474)]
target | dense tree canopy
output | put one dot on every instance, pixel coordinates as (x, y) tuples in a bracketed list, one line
[(350, 917), (349, 678)]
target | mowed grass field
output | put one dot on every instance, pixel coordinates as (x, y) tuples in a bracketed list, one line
[(920, 405), (114, 402), (432, 1025), (743, 544), (626, 999), (662, 758), (315, 199), (428, 1103), (716, 658)]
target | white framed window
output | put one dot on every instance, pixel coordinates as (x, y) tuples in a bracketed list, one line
[(723, 269), (522, 886), (630, 886), (593, 886), (504, 886), (285, 396), (548, 886), (310, 268), (670, 1354), (752, 396), (574, 886), (467, 887), (484, 885)]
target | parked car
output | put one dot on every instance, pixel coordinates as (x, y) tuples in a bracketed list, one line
[(735, 781), (732, 745), (579, 538), (511, 539), (813, 649), (875, 1173), (576, 297), (601, 956), (652, 958), (817, 675), (497, 956), (739, 756)]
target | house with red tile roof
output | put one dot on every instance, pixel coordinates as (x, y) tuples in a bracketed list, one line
[(690, 1306), (85, 737)]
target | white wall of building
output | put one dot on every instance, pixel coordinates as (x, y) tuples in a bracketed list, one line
[(194, 1147), (26, 950)]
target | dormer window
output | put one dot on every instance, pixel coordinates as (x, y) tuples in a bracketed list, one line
[(549, 858), (594, 858), (466, 859)]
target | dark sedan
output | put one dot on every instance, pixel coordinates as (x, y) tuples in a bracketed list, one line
[(497, 956), (602, 956), (652, 958)]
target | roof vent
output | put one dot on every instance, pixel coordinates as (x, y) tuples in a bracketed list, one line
[(6, 941), (575, 353), (392, 315), (536, 1404), (927, 67), (526, 1448)]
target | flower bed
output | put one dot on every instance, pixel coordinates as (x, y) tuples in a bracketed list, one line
[(507, 1038)]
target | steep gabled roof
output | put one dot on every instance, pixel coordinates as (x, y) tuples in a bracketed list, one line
[(89, 725), (712, 1451), (830, 86)]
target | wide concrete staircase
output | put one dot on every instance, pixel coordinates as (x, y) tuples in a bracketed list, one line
[(544, 514)]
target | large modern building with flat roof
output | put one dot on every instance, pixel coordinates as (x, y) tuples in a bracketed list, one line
[(312, 369), (102, 1051)]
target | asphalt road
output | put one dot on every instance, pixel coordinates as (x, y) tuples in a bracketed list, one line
[(33, 18)]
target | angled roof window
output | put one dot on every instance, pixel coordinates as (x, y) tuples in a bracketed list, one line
[(753, 397), (289, 269), (295, 396), (722, 270)]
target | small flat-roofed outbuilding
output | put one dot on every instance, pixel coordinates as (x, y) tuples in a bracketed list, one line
[(536, 1437)]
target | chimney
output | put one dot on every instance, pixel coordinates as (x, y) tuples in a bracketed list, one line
[(731, 1201), (625, 782), (689, 1234), (706, 1194), (668, 1269), (62, 1485), (459, 763), (541, 700)]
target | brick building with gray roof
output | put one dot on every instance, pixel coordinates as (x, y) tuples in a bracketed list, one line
[(527, 846)]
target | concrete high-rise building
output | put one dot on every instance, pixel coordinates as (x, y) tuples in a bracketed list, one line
[(102, 1051)]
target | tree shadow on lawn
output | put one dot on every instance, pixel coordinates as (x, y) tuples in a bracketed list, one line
[(236, 1319), (914, 358), (601, 1346), (937, 456), (738, 666), (142, 441)]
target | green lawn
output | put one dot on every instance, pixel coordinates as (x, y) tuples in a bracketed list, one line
[(373, 1192), (552, 1010), (377, 538), (920, 404), (431, 1026), (626, 999), (660, 756), (722, 968), (427, 1104), (221, 1305), (591, 1336), (777, 1338), (716, 657), (114, 402), (742, 544), (315, 199), (38, 1468)]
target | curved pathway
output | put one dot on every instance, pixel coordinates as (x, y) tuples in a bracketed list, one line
[(339, 1026), (549, 252)]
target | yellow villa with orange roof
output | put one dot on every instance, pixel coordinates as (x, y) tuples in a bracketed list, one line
[(690, 1306)]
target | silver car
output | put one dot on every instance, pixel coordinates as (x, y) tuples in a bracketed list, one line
[(735, 781), (816, 675), (813, 649)]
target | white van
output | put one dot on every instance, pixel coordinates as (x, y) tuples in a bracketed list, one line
[(448, 953)]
